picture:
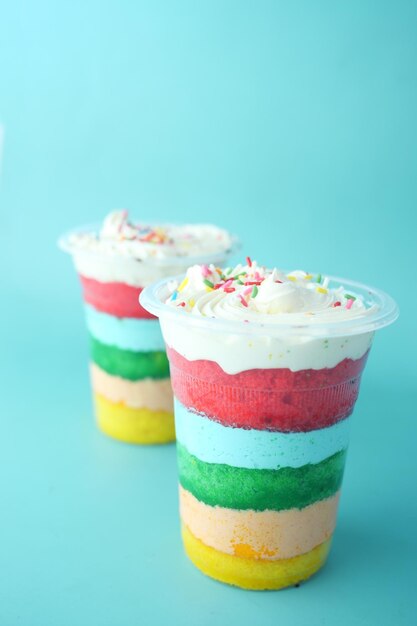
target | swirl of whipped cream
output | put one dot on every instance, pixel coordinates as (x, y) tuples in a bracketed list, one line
[(282, 297), (254, 293), (116, 227), (120, 237)]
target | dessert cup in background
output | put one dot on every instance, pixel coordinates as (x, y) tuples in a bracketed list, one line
[(129, 367), (265, 368)]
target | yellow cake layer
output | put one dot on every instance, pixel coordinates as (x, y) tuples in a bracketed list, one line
[(134, 425), (253, 573)]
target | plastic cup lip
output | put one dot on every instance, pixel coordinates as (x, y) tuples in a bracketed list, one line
[(65, 245), (153, 299)]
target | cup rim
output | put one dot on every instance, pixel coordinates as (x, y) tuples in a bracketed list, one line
[(151, 298), (174, 261)]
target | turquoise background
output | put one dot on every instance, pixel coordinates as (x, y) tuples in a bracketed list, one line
[(292, 124)]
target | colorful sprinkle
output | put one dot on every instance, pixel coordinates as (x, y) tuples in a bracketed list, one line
[(183, 284), (154, 236), (245, 284)]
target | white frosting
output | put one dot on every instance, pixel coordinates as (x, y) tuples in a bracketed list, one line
[(130, 271), (138, 255), (120, 237), (237, 353), (294, 298)]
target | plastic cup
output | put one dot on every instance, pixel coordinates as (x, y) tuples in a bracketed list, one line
[(129, 367), (262, 448)]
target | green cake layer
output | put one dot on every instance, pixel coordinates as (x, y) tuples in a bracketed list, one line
[(260, 489), (127, 363)]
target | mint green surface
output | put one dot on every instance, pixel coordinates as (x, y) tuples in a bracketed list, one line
[(292, 123)]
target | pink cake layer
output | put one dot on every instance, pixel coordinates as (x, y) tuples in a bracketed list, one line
[(267, 399), (116, 299)]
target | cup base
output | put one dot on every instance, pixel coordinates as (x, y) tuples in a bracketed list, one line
[(253, 573), (131, 425)]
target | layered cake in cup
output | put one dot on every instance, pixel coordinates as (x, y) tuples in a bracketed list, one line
[(265, 367), (129, 366)]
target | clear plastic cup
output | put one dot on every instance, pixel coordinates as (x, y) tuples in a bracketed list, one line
[(262, 427), (129, 367)]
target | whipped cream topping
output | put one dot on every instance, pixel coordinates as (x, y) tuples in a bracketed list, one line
[(254, 293), (118, 236)]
